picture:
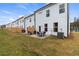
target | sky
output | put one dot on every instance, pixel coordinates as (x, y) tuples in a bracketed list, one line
[(73, 11), (12, 11)]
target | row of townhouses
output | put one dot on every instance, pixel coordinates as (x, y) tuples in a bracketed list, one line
[(51, 19), (74, 26)]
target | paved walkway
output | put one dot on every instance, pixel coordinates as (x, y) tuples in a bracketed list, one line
[(35, 36), (38, 36)]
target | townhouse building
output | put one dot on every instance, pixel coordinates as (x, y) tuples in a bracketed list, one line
[(53, 18)]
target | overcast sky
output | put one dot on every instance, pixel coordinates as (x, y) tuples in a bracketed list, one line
[(12, 11)]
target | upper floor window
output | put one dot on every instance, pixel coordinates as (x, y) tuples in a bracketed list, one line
[(22, 20), (47, 13), (30, 20), (61, 8), (17, 22)]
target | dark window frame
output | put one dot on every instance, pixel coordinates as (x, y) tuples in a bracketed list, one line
[(45, 27), (47, 13), (39, 28), (30, 20), (61, 8), (56, 27)]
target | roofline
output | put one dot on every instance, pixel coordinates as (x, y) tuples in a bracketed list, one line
[(41, 9), (29, 16), (18, 19), (46, 6)]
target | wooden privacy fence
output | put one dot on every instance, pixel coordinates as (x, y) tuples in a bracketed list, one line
[(16, 30), (31, 29)]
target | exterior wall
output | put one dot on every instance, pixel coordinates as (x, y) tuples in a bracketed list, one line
[(13, 25), (8, 25), (18, 24), (21, 23), (41, 19), (29, 21)]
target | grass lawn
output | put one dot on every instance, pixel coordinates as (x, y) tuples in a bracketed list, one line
[(13, 44)]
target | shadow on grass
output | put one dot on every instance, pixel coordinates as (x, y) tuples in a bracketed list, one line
[(52, 37)]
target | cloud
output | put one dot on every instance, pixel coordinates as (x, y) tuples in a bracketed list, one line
[(20, 16), (11, 19), (6, 12), (6, 20), (23, 6)]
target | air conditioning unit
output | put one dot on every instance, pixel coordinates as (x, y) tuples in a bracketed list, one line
[(60, 35)]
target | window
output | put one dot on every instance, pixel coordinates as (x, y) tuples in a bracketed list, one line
[(22, 20), (47, 13), (39, 28), (45, 27), (17, 22), (62, 8), (30, 20), (56, 27)]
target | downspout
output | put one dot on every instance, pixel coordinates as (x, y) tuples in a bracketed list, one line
[(35, 20), (68, 20), (24, 23)]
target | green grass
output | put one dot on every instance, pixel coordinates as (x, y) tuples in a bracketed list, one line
[(15, 44)]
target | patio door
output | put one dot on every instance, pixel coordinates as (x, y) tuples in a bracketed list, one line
[(39, 28)]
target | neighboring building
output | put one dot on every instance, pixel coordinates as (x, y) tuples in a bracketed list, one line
[(21, 22), (8, 25), (29, 22), (14, 24), (2, 26), (75, 26)]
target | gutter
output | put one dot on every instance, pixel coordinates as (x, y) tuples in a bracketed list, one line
[(68, 20)]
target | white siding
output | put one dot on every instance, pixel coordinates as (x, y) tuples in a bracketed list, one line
[(41, 19), (21, 23), (28, 23)]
